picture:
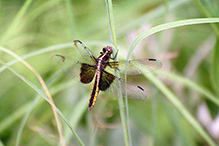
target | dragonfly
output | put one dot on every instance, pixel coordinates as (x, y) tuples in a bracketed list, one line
[(100, 70)]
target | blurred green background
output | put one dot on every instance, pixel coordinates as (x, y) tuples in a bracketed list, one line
[(36, 30)]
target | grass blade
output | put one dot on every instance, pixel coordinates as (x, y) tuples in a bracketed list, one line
[(215, 68), (179, 106), (124, 118), (160, 85)]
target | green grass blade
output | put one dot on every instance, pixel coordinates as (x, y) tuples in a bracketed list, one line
[(112, 31), (215, 68), (36, 89), (38, 52), (13, 26), (160, 85), (124, 116), (186, 82), (209, 10), (45, 97), (169, 25), (179, 106), (153, 15), (31, 107)]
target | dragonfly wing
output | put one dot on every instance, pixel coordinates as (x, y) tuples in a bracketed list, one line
[(85, 52), (135, 67), (109, 83), (87, 73), (74, 68)]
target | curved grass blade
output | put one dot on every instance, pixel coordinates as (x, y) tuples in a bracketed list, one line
[(47, 94), (124, 118), (215, 68), (162, 87)]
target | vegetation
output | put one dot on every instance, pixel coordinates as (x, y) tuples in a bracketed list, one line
[(182, 103)]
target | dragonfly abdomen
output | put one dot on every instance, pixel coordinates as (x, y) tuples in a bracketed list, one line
[(95, 91)]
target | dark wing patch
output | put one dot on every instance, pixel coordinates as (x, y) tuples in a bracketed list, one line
[(87, 73), (74, 68), (109, 83), (106, 80)]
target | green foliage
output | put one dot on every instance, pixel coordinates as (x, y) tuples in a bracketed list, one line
[(215, 68), (186, 85)]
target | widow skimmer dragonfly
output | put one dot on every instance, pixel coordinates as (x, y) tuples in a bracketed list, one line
[(104, 80)]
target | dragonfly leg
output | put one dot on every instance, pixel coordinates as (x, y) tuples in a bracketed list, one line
[(113, 58)]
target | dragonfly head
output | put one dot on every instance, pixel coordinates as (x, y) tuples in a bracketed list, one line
[(108, 49)]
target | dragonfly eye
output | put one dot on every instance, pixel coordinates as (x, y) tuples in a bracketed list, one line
[(109, 49), (104, 49)]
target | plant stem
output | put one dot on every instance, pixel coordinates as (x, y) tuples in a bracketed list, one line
[(119, 91)]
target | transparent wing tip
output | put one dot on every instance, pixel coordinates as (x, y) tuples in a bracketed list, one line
[(57, 57), (77, 41), (144, 92)]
